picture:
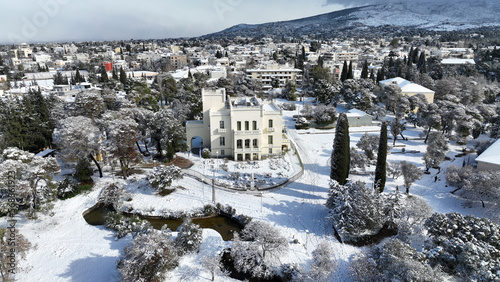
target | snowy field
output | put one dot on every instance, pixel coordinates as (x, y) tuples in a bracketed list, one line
[(68, 249)]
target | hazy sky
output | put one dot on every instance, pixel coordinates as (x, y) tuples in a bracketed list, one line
[(72, 20)]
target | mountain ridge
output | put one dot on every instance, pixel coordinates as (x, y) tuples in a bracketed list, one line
[(433, 16)]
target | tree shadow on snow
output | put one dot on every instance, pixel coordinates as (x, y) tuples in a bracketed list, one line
[(96, 267)]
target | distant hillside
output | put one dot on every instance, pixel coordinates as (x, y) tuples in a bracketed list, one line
[(433, 15)]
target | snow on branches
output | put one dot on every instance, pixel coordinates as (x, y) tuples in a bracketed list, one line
[(162, 176)]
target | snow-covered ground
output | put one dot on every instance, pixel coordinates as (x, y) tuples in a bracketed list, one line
[(68, 249)]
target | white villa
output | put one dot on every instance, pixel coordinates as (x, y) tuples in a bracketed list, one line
[(239, 128), (409, 88)]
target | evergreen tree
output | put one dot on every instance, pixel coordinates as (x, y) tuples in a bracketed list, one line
[(104, 75), (350, 74), (410, 56), (380, 169), (364, 71), (114, 74), (78, 77), (340, 160), (123, 76), (343, 75)]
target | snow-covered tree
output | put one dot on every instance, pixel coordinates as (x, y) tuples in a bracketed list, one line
[(141, 117), (113, 195), (397, 128), (120, 131), (477, 186), (340, 159), (394, 169), (32, 176), (89, 104), (430, 118), (189, 237), (78, 137), (369, 144), (436, 150), (363, 268), (398, 261), (167, 133), (307, 110), (256, 249), (413, 215), (354, 210), (358, 159), (162, 176), (148, 257), (411, 173), (124, 225), (213, 264), (324, 114), (465, 246), (323, 263)]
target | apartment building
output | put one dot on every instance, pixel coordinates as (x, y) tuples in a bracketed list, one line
[(283, 73)]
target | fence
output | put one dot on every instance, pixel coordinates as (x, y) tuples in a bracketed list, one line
[(203, 178)]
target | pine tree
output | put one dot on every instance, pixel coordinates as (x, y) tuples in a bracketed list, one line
[(364, 71), (343, 75), (340, 160), (380, 169)]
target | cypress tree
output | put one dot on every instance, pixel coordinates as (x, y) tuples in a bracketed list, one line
[(343, 75), (380, 169), (341, 157), (104, 75), (123, 76), (364, 71), (114, 74), (78, 77), (410, 56), (350, 74)]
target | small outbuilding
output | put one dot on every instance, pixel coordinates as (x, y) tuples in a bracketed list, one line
[(490, 159)]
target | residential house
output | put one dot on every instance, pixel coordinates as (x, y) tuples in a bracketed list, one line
[(409, 88)]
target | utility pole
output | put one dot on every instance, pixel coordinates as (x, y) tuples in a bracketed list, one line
[(213, 187)]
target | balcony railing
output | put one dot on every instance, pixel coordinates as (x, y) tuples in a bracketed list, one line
[(271, 129), (246, 132)]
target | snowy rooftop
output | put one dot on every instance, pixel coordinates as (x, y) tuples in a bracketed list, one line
[(458, 61), (491, 155), (406, 85)]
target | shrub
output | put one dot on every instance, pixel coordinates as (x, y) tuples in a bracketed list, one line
[(124, 225), (83, 171), (148, 257), (189, 238)]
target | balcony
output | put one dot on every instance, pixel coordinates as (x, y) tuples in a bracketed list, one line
[(221, 130), (271, 129)]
